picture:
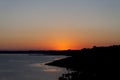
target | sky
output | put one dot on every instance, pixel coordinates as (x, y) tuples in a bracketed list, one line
[(58, 24)]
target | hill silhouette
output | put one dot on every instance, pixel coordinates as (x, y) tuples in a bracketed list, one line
[(84, 64)]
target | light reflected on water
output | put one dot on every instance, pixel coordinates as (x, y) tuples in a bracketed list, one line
[(25, 67), (52, 70), (46, 68)]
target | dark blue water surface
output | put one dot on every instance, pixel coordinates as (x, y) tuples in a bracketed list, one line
[(26, 67)]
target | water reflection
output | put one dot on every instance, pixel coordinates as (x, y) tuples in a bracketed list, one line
[(78, 75), (25, 67), (45, 68)]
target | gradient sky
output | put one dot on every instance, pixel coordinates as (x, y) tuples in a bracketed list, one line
[(58, 24)]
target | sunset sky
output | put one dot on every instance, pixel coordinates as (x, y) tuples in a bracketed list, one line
[(58, 24)]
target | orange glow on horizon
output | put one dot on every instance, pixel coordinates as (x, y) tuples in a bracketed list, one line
[(64, 44), (59, 43)]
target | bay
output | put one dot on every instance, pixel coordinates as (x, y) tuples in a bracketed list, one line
[(26, 67)]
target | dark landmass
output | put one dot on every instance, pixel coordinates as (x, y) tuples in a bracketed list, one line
[(85, 63), (37, 52), (84, 51), (46, 52)]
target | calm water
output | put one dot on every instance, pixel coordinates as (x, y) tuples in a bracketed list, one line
[(25, 67)]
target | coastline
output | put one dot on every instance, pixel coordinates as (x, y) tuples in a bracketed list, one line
[(84, 63)]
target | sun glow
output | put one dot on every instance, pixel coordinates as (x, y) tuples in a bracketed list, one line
[(63, 45)]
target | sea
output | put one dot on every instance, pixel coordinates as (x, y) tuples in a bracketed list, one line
[(29, 67)]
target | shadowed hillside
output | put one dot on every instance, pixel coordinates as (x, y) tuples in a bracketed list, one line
[(83, 64)]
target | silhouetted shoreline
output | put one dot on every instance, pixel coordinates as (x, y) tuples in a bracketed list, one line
[(84, 63), (46, 52), (64, 52)]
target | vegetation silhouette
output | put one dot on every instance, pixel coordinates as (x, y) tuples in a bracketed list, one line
[(83, 64)]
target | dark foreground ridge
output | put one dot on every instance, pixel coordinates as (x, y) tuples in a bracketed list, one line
[(83, 64)]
